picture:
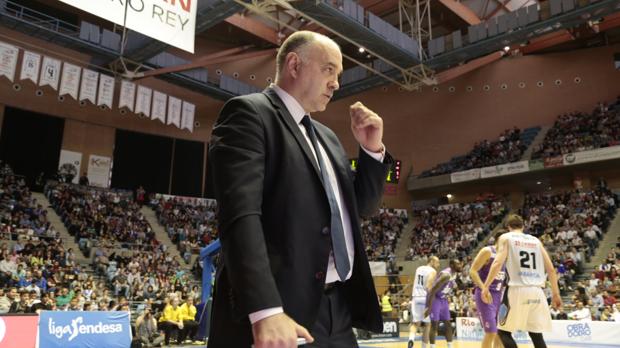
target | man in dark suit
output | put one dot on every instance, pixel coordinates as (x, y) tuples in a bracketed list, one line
[(293, 257)]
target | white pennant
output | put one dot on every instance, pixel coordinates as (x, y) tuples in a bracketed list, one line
[(159, 106), (127, 95), (106, 90), (88, 88), (8, 60), (143, 101), (31, 62), (50, 73), (70, 82), (174, 111), (188, 116)]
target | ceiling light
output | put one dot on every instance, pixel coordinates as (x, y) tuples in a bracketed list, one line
[(448, 196), (361, 50), (507, 48)]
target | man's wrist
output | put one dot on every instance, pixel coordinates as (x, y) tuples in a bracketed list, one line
[(265, 313)]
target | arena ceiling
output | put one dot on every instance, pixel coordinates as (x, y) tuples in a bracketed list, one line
[(233, 30)]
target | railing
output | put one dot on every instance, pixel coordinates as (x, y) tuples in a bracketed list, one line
[(39, 19)]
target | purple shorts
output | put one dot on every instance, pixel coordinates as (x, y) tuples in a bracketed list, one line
[(488, 312), (440, 311)]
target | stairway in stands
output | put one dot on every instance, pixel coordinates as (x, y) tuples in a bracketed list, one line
[(609, 241), (527, 155), (162, 235), (67, 240), (402, 245)]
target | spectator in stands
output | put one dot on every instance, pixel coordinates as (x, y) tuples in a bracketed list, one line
[(21, 306), (146, 329), (84, 180), (610, 300), (140, 195), (7, 298), (581, 312)]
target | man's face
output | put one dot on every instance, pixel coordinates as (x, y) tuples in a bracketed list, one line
[(321, 63), (458, 266), (12, 293)]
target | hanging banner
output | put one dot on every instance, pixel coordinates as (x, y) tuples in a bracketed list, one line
[(18, 331), (68, 329), (88, 88), (159, 106), (31, 62), (99, 171), (69, 165), (187, 120), (106, 91), (70, 82), (50, 73), (173, 22), (8, 60), (143, 101), (174, 111), (128, 95)]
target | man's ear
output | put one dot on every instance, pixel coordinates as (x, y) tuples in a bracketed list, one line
[(293, 63)]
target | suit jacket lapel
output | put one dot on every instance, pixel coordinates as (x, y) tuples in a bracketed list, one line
[(288, 120)]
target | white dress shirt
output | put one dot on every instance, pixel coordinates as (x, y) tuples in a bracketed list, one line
[(298, 112)]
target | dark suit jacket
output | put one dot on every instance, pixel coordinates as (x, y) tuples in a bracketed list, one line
[(274, 219)]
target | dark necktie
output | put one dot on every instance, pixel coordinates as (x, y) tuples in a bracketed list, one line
[(339, 247)]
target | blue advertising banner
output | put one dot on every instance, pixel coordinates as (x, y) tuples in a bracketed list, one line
[(84, 329)]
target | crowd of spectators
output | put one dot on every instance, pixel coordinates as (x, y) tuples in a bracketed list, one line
[(95, 216), (508, 148), (579, 131), (570, 224), (38, 272), (20, 214), (454, 230), (190, 223), (596, 298), (381, 233)]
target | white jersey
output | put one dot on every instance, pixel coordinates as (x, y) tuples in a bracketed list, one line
[(524, 264), (420, 281)]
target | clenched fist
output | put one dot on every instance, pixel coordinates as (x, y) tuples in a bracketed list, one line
[(367, 127)]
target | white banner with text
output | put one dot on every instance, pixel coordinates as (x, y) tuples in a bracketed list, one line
[(173, 22)]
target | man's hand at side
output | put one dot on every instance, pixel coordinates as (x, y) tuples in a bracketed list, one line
[(278, 331)]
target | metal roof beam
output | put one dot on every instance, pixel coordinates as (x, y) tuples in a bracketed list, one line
[(255, 28), (209, 59), (462, 11)]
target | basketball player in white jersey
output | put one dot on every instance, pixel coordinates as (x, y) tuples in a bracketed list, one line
[(422, 283), (526, 262)]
